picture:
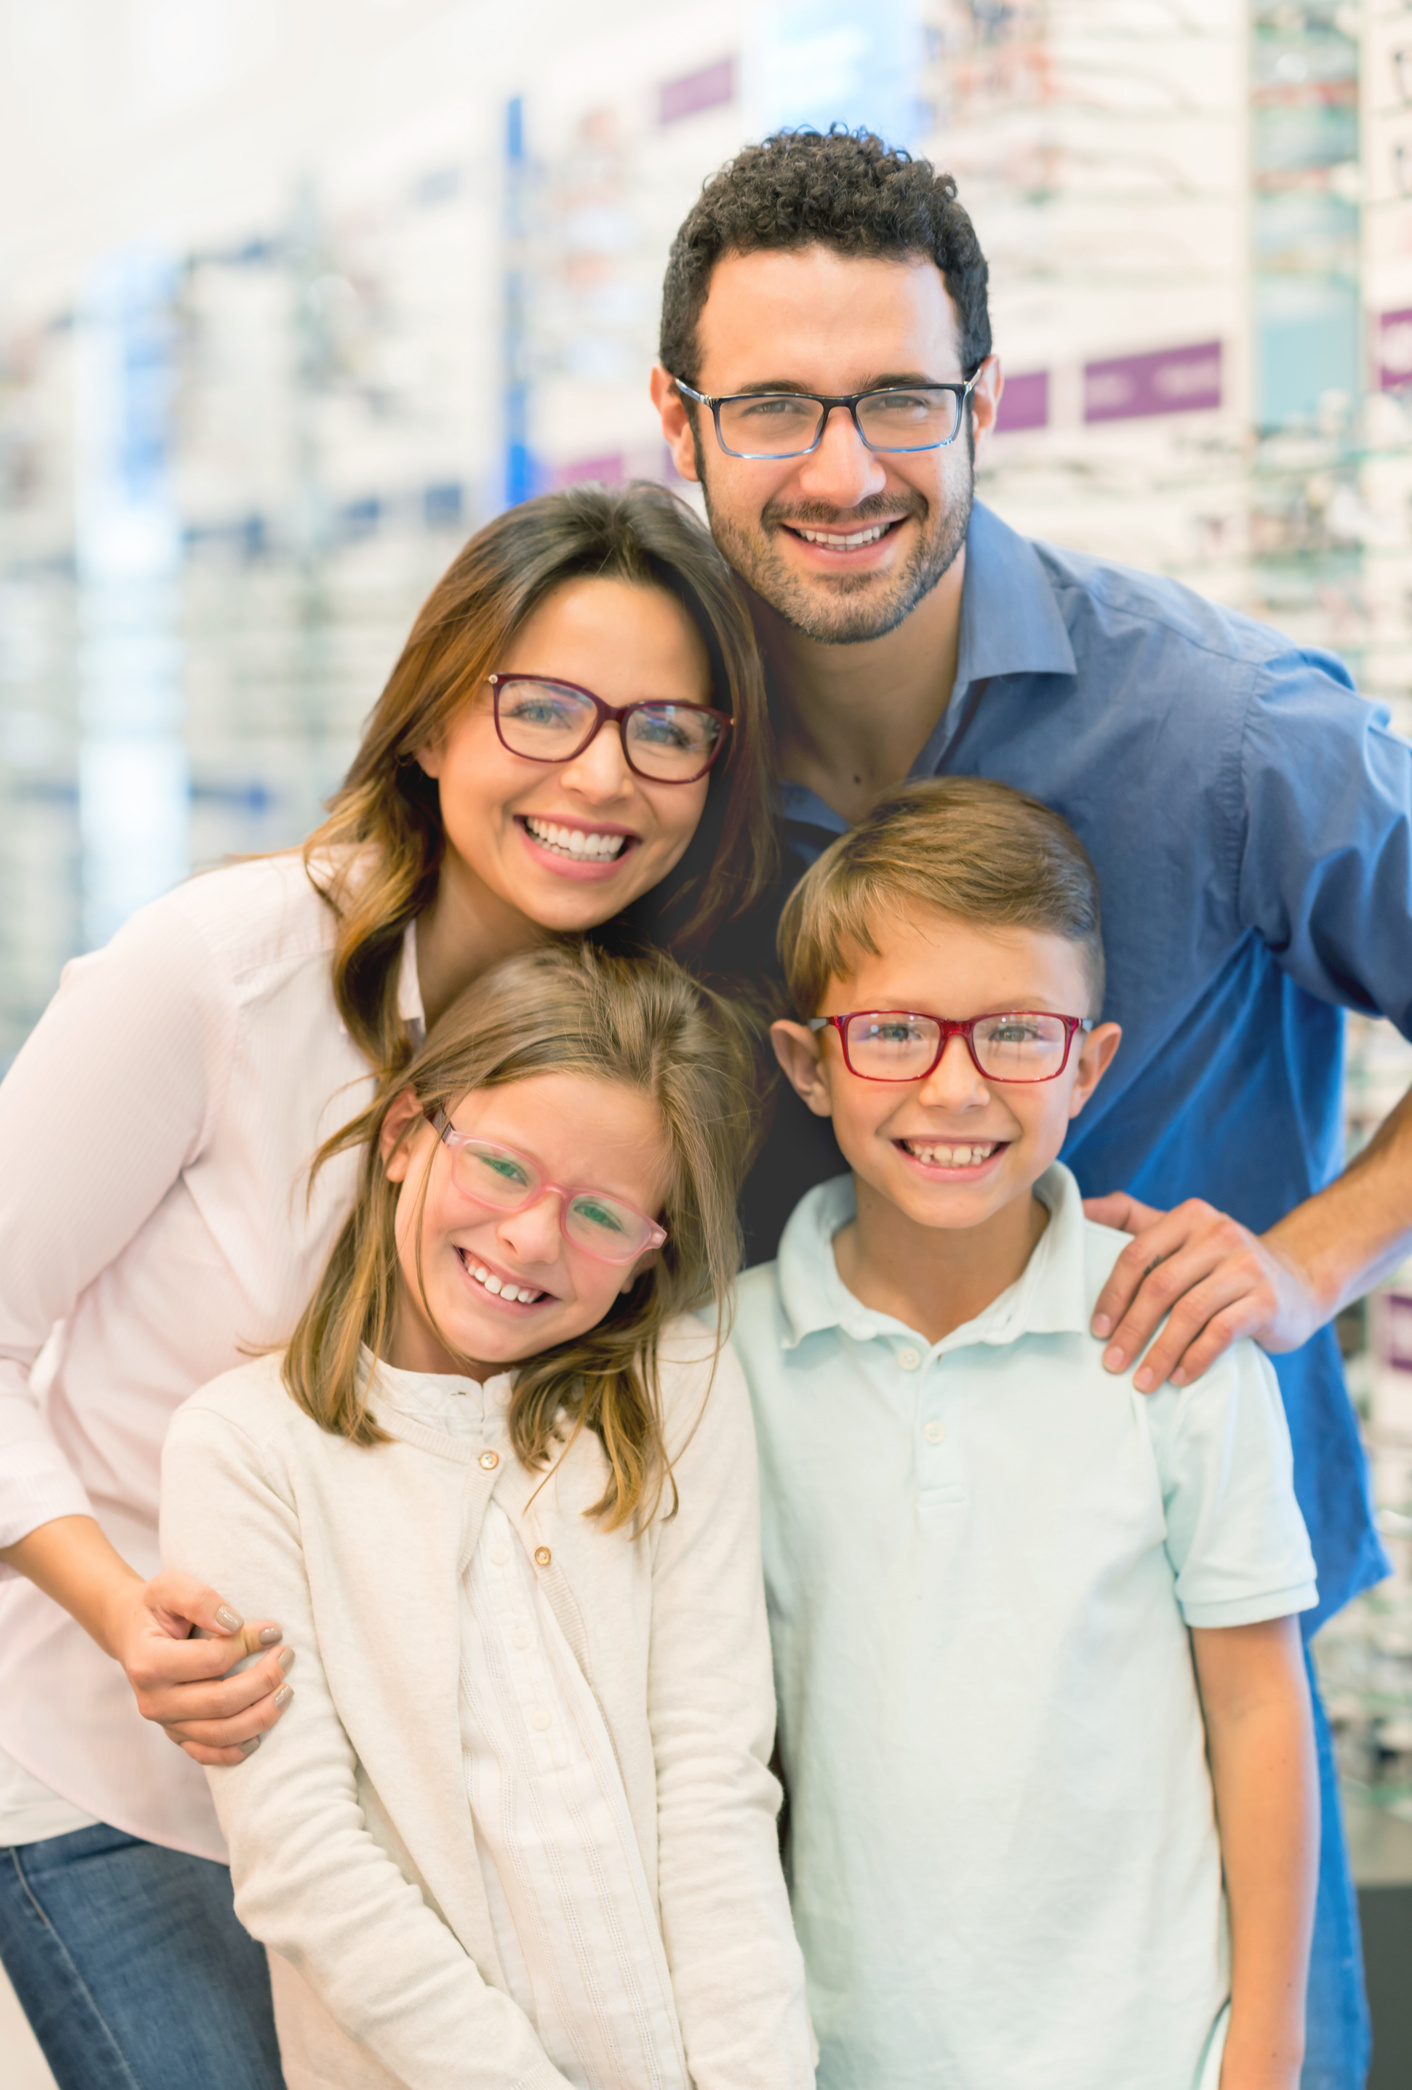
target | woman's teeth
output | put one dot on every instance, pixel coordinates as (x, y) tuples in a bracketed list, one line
[(949, 1157), (517, 1294), (575, 841)]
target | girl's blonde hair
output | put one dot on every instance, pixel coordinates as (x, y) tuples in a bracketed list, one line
[(562, 1009), (384, 835)]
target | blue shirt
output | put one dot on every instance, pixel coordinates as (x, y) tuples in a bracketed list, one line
[(1250, 818)]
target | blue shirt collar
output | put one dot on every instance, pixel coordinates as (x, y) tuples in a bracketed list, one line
[(1010, 622), (1049, 1299)]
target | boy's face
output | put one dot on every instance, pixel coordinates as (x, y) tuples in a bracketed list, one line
[(954, 1148), (846, 541)]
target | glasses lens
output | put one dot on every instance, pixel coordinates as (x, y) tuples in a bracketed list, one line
[(891, 1046), (493, 1175), (914, 420), (545, 720), (769, 424), (1021, 1048), (673, 742), (607, 1229)]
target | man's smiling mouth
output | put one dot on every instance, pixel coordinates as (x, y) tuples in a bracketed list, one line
[(845, 540)]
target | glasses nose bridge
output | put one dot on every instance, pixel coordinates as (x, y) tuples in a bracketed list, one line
[(952, 1027), (828, 407)]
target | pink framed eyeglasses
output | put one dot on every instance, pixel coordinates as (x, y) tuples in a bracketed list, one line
[(506, 1181), (902, 1045)]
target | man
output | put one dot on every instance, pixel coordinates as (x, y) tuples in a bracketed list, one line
[(827, 376)]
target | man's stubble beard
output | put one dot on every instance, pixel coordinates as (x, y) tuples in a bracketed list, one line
[(855, 607)]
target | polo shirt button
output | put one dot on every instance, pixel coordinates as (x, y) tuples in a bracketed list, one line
[(909, 1359), (490, 1460), (542, 1556), (541, 1719), (934, 1432)]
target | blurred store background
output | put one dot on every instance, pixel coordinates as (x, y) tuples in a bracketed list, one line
[(294, 293)]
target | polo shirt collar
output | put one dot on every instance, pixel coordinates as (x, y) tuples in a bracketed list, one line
[(1049, 1299)]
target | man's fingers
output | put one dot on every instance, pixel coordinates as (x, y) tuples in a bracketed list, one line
[(1154, 1247), (1206, 1321), (1120, 1211)]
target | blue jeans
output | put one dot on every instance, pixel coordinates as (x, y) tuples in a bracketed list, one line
[(1338, 2036), (131, 1967)]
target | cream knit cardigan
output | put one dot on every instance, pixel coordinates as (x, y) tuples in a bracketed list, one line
[(349, 1829)]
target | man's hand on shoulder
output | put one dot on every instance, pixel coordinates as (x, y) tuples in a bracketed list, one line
[(1211, 1278)]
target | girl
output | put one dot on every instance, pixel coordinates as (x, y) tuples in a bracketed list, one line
[(522, 1831), (573, 730)]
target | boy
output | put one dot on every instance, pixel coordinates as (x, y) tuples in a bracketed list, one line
[(991, 1564)]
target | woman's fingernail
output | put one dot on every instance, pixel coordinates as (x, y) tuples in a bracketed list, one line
[(229, 1621), (1102, 1326), (1143, 1380), (283, 1696), (285, 1658), (1114, 1359), (269, 1635), (249, 1748)]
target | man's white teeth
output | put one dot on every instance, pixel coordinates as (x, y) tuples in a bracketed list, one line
[(839, 543), (950, 1157), (575, 841), (517, 1294)]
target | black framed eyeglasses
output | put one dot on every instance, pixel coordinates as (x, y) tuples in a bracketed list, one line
[(547, 720), (775, 425), (900, 1045)]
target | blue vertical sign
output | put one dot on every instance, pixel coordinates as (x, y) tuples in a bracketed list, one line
[(519, 465), (134, 782)]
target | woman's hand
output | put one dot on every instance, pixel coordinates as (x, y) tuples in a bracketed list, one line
[(176, 1640)]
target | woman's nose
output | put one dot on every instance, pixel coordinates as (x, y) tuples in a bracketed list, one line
[(600, 772)]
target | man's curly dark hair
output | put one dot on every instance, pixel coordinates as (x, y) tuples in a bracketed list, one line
[(841, 189)]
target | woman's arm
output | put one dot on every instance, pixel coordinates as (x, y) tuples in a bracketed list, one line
[(311, 1881), (1260, 1741), (737, 1973), (106, 1103)]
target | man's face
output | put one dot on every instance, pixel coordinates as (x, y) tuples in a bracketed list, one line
[(845, 542)]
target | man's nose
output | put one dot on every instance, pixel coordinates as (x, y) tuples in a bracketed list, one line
[(843, 471)]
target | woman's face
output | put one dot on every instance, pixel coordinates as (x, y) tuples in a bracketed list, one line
[(625, 643), (585, 1133)]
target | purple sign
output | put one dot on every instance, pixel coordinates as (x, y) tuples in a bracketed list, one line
[(1395, 350), (1024, 403), (608, 471), (1164, 381), (710, 88)]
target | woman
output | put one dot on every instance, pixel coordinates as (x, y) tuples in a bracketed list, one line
[(574, 732)]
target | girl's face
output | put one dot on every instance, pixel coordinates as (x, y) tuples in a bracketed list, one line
[(505, 816), (581, 1132)]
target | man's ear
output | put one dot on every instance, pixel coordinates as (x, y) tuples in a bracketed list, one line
[(1099, 1046), (676, 422), (393, 1143), (985, 401), (797, 1048)]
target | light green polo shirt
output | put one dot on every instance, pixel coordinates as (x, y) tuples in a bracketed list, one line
[(982, 1556)]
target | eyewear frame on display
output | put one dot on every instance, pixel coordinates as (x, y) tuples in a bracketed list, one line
[(605, 714), (947, 1030), (650, 1235), (826, 402)]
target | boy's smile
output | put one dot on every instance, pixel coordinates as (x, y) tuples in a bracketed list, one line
[(945, 1165)]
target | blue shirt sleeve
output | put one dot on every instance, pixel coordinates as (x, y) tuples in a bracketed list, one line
[(1235, 1538), (1325, 870)]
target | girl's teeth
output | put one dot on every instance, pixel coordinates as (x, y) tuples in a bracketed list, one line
[(517, 1294), (574, 841)]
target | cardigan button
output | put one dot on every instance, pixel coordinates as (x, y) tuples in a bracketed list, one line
[(542, 1556), (490, 1460)]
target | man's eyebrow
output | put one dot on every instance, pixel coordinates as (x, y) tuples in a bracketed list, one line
[(888, 381)]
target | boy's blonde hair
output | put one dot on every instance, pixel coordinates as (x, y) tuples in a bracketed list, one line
[(563, 1009), (969, 847)]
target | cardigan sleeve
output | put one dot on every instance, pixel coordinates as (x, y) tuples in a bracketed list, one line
[(311, 1882), (107, 1101), (737, 1973)]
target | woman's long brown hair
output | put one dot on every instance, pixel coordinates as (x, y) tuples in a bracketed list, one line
[(566, 1008), (377, 855)]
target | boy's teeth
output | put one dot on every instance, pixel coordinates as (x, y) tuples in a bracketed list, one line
[(839, 542), (575, 841), (950, 1157)]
